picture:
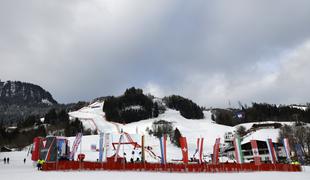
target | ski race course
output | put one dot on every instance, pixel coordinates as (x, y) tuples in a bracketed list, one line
[(94, 119)]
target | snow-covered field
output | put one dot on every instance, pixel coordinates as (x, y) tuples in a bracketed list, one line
[(17, 170)]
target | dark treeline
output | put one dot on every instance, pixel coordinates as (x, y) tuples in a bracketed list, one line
[(187, 108), (16, 92), (56, 122), (135, 106), (261, 112), (131, 107), (269, 112)]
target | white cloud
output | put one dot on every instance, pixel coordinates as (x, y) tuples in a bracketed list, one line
[(211, 52), (154, 89), (284, 84)]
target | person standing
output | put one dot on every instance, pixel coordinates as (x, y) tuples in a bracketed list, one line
[(39, 164), (4, 160), (8, 160), (24, 160)]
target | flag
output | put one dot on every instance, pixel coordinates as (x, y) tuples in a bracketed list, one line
[(76, 144), (255, 152), (183, 144), (107, 145), (272, 152), (143, 150), (118, 147), (238, 151), (300, 153), (240, 115), (101, 135), (163, 150), (199, 149), (216, 148), (287, 149)]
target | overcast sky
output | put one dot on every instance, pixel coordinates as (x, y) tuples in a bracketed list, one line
[(213, 52)]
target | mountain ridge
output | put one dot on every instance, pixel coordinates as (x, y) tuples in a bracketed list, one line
[(18, 100), (17, 92)]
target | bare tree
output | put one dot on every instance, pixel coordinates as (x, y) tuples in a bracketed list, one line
[(241, 131)]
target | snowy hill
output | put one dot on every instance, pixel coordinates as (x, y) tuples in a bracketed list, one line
[(93, 117)]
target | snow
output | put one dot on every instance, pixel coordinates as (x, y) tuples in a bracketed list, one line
[(17, 170), (46, 101), (263, 135), (136, 107), (93, 118), (302, 107)]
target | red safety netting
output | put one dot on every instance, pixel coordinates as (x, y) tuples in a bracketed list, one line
[(226, 167)]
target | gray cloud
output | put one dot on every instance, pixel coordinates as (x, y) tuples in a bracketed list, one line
[(210, 51)]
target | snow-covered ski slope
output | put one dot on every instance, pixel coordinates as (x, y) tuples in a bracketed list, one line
[(17, 170), (93, 118)]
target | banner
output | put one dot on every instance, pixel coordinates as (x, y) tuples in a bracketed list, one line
[(300, 153), (216, 148), (238, 150), (183, 144), (287, 149), (143, 150), (118, 147), (61, 147), (163, 150), (75, 145), (107, 145), (101, 135), (36, 149), (50, 148), (199, 149), (272, 152), (255, 152)]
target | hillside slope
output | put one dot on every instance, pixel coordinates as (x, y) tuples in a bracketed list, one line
[(18, 100), (93, 118)]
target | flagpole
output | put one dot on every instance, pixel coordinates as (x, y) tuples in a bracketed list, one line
[(81, 145), (143, 150)]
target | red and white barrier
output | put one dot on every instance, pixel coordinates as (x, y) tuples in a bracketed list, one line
[(169, 167)]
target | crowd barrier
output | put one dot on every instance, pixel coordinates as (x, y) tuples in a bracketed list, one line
[(170, 167)]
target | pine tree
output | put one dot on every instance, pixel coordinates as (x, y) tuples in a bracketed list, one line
[(176, 137), (156, 111), (51, 117)]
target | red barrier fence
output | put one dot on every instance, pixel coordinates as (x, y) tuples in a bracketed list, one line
[(227, 167)]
